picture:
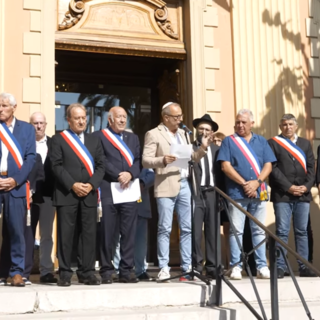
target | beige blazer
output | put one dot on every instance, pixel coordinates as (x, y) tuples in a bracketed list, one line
[(156, 145)]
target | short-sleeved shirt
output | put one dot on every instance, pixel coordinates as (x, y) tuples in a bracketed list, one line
[(231, 153)]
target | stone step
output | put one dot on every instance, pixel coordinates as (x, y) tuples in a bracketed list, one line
[(182, 313), (287, 310), (51, 298), (310, 288)]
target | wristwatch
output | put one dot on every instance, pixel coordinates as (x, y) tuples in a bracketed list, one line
[(260, 182)]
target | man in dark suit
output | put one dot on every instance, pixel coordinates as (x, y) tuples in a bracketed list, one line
[(122, 165), (291, 180), (205, 171), (42, 209), (18, 152), (77, 162)]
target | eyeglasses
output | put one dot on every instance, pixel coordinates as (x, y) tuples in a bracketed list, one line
[(178, 117)]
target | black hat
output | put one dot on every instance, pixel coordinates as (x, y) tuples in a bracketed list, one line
[(206, 118)]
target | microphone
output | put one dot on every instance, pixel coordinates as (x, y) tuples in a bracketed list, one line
[(185, 128)]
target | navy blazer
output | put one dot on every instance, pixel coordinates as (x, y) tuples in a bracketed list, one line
[(25, 135), (115, 162)]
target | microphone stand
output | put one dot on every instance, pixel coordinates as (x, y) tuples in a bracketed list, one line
[(195, 188)]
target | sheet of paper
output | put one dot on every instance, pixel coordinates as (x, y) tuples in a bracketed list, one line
[(183, 154), (131, 194)]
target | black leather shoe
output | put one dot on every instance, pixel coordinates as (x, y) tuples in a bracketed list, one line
[(48, 278), (91, 281), (306, 272), (145, 277), (64, 283), (280, 273), (128, 279), (211, 275), (106, 280)]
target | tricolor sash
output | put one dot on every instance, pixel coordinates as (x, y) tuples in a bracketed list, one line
[(252, 158), (119, 144), (293, 149), (79, 149), (12, 144)]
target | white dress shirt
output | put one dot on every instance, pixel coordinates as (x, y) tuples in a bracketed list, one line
[(80, 136), (203, 176), (177, 139), (42, 148), (5, 151)]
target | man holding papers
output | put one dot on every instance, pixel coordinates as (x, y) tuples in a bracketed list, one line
[(78, 166), (171, 187), (246, 159), (291, 180), (17, 158), (122, 168)]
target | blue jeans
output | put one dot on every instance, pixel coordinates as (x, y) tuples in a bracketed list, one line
[(182, 204), (140, 248), (299, 211), (258, 210)]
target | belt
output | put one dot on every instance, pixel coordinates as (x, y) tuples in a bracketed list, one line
[(4, 173)]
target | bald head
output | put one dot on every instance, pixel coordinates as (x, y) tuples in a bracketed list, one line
[(38, 120), (117, 119)]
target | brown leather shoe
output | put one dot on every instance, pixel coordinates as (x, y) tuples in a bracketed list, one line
[(17, 281)]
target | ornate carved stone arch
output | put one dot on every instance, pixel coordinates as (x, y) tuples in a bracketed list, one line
[(77, 9)]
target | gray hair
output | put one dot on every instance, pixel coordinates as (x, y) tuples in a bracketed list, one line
[(9, 97), (288, 116), (166, 110), (73, 106), (245, 111)]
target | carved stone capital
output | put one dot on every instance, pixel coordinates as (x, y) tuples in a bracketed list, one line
[(164, 23), (72, 17)]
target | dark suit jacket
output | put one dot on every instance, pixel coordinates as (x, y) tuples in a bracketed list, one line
[(216, 170), (318, 167), (288, 171), (115, 162), (25, 135), (69, 169), (45, 185), (36, 175)]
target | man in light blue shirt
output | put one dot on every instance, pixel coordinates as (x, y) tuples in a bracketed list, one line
[(246, 160)]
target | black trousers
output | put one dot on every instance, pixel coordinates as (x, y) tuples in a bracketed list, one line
[(126, 214), (204, 214), (68, 217), (29, 235)]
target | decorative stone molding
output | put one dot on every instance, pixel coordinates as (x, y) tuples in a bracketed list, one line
[(77, 9), (72, 17), (161, 16)]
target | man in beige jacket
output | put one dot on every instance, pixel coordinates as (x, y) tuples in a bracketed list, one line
[(171, 187)]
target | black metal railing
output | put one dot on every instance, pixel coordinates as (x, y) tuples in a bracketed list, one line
[(274, 252)]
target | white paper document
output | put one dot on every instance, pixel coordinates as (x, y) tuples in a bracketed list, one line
[(183, 154), (131, 194)]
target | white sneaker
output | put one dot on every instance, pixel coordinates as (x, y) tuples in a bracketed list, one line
[(164, 274), (263, 273), (236, 274)]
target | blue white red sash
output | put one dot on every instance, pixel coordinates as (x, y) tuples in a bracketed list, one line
[(293, 149), (12, 144), (79, 149), (252, 158), (119, 144)]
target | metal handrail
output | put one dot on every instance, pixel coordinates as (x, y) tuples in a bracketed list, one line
[(270, 234), (273, 252)]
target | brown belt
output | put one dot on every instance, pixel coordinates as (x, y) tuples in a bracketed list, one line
[(4, 173)]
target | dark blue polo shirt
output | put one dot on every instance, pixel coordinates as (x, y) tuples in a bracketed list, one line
[(231, 153)]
